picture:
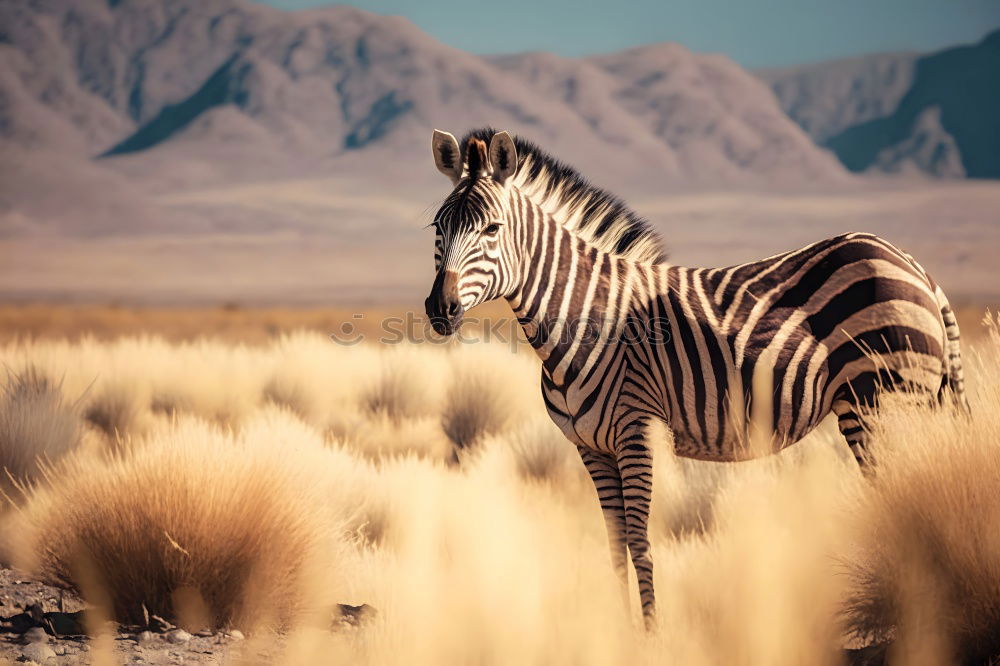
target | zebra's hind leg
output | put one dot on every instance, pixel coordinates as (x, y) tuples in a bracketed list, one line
[(635, 464), (603, 470), (852, 427)]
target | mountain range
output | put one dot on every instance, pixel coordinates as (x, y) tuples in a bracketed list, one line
[(936, 114), (105, 100), (220, 149)]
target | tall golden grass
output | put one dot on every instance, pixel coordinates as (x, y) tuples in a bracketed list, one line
[(256, 486), (189, 521), (928, 570), (36, 423)]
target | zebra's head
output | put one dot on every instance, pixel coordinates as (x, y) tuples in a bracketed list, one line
[(474, 254)]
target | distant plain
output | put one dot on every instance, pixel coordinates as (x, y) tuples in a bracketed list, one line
[(317, 242)]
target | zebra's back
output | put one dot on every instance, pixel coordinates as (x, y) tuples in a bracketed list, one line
[(833, 321)]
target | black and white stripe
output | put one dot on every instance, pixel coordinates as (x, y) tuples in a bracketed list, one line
[(724, 357)]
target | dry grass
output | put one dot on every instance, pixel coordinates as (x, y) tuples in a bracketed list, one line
[(190, 522), (37, 424), (487, 393), (232, 322), (929, 568), (259, 325), (312, 473)]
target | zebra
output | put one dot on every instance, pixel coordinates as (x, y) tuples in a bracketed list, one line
[(628, 340)]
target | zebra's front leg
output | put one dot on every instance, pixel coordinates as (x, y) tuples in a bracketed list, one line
[(635, 465), (603, 470)]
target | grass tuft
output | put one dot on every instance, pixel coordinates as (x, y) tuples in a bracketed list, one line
[(115, 412), (36, 425), (475, 406), (929, 568), (190, 514)]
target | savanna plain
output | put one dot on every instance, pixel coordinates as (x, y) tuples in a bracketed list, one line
[(254, 479)]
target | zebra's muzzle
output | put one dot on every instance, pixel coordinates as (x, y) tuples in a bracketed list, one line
[(443, 307)]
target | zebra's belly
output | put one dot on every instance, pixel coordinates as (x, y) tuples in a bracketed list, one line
[(735, 447)]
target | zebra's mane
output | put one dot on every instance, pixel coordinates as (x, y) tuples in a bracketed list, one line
[(594, 214)]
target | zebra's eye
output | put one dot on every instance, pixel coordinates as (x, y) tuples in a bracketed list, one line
[(491, 229)]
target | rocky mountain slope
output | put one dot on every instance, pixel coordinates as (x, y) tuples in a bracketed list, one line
[(102, 101), (935, 114), (828, 97)]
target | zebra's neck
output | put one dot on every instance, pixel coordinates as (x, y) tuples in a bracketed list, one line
[(572, 297)]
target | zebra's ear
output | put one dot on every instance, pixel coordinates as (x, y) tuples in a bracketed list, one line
[(503, 156), (446, 155)]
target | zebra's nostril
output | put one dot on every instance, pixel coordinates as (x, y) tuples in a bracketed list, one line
[(453, 308)]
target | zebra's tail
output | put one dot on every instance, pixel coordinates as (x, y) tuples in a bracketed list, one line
[(954, 380)]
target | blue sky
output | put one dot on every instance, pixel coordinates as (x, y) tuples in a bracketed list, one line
[(756, 33)]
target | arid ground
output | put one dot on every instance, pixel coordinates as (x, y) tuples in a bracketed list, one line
[(254, 479), (315, 242)]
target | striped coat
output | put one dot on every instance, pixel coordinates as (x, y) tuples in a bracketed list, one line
[(735, 361)]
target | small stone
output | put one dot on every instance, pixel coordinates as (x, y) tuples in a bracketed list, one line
[(145, 637), (36, 635), (60, 650), (178, 636), (84, 648), (236, 635), (38, 652), (355, 616), (204, 633), (66, 624)]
